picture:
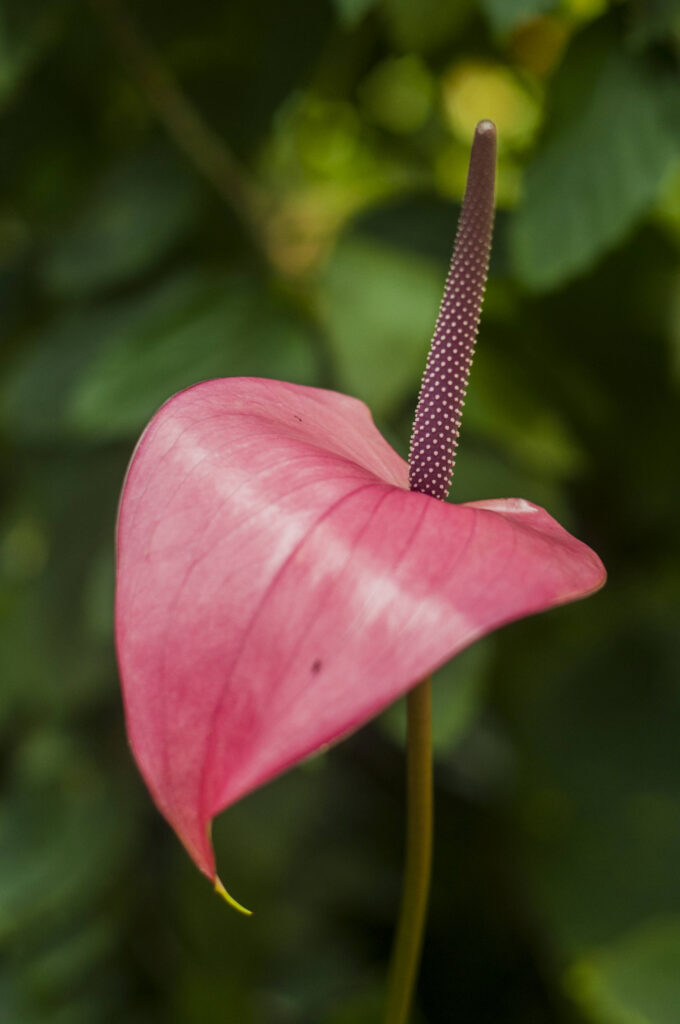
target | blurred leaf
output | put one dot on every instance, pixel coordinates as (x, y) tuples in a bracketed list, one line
[(457, 697), (38, 386), (263, 840), (62, 855), (199, 990), (398, 94), (364, 1007), (380, 305), (634, 980), (675, 330), (98, 595), (232, 329), (654, 19), (505, 15), (57, 655), (505, 405), (350, 12), (134, 217), (483, 473), (426, 25), (602, 775), (68, 847), (101, 372), (23, 39), (56, 971), (598, 170)]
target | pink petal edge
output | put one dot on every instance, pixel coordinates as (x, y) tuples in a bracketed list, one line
[(278, 585)]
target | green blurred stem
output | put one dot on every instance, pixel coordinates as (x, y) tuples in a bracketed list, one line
[(183, 122), (408, 943)]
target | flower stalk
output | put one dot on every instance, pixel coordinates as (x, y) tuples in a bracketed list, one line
[(408, 942), (433, 451)]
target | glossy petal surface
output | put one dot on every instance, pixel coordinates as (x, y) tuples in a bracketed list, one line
[(278, 585)]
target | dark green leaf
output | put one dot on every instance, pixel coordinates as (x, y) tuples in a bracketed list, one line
[(598, 171), (380, 305), (102, 372), (135, 215), (634, 979), (425, 25), (655, 19), (24, 37), (231, 329), (504, 15), (350, 12), (505, 405)]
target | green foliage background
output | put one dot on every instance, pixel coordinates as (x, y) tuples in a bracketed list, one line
[(261, 188)]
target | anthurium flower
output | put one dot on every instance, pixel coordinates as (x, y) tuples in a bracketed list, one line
[(280, 580)]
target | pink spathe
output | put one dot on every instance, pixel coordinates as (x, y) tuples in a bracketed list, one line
[(278, 585)]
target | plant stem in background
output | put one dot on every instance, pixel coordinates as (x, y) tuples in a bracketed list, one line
[(184, 123), (408, 942)]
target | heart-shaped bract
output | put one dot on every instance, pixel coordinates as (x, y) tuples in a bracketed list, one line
[(278, 585)]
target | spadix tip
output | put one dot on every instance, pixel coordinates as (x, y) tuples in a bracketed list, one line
[(485, 128), (221, 891)]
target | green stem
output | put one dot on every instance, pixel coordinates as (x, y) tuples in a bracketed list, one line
[(410, 930)]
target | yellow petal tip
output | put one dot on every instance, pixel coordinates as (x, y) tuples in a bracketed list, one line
[(219, 888)]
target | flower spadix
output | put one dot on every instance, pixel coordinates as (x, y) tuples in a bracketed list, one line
[(280, 579)]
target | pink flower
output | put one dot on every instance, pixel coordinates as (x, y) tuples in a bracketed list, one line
[(278, 583)]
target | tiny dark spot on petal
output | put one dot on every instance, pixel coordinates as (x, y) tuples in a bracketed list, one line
[(298, 418), (316, 666)]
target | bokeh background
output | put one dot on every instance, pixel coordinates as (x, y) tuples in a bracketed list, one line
[(271, 188)]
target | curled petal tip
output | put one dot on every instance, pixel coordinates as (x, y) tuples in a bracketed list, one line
[(221, 891)]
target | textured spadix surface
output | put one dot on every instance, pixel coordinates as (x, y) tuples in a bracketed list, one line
[(278, 584)]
